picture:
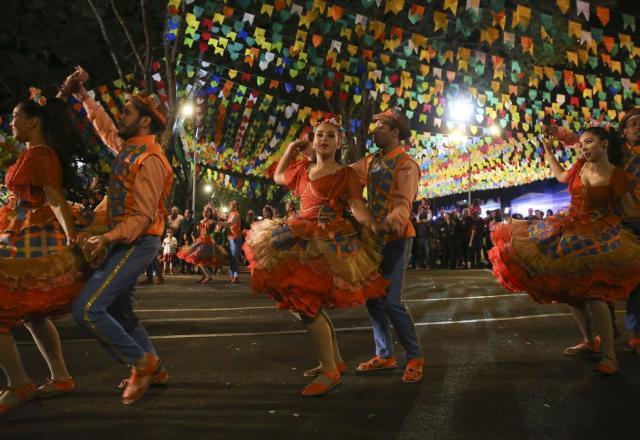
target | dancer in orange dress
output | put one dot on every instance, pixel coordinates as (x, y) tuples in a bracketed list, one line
[(39, 270), (204, 251), (583, 257), (319, 259)]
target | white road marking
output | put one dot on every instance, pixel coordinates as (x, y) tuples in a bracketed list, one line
[(341, 330)]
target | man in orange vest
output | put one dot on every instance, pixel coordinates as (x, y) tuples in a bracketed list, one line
[(140, 181), (392, 177)]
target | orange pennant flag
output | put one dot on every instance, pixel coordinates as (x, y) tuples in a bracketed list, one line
[(603, 14)]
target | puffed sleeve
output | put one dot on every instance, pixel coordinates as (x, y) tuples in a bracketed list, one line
[(294, 173), (352, 185), (346, 186), (40, 166), (620, 183)]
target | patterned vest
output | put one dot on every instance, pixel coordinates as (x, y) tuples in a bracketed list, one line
[(381, 183), (124, 169), (632, 166)]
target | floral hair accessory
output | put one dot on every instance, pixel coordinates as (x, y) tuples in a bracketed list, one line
[(606, 126), (330, 119), (35, 95)]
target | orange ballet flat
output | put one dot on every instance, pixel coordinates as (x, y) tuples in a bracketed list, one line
[(24, 394), (377, 363), (342, 367), (323, 383), (52, 387)]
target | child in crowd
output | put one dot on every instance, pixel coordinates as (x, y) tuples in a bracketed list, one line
[(169, 249)]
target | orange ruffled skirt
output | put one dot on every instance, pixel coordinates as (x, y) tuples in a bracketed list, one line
[(567, 260), (305, 266), (204, 252), (39, 274)]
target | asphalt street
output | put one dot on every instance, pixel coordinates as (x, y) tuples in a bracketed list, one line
[(494, 370)]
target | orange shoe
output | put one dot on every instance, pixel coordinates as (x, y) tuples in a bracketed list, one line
[(633, 345), (607, 366), (584, 348), (377, 363), (160, 378), (413, 370), (323, 383), (52, 387), (22, 394), (140, 379), (342, 367)]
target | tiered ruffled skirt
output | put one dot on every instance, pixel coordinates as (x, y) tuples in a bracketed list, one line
[(204, 252), (39, 274), (567, 260), (305, 266)]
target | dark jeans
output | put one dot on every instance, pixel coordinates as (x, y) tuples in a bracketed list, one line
[(421, 252)]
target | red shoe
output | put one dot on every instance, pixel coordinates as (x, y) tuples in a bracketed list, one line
[(145, 282), (160, 378), (325, 382), (235, 280), (52, 387), (584, 348), (23, 394), (633, 346), (607, 366), (342, 367), (140, 379), (377, 363), (413, 370)]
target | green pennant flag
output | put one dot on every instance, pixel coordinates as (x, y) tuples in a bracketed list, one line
[(547, 21), (629, 21), (630, 67)]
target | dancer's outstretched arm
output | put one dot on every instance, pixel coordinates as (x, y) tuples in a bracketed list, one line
[(103, 124)]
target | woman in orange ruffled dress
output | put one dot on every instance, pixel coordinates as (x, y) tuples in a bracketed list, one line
[(204, 252), (39, 270), (319, 259), (583, 257)]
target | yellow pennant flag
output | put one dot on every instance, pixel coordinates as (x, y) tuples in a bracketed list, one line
[(452, 5), (563, 5), (267, 9), (440, 20), (574, 29), (394, 6)]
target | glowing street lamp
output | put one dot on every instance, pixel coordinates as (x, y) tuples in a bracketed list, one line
[(187, 110), (208, 188), (494, 130), (460, 109)]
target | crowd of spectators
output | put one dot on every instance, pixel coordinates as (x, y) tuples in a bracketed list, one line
[(458, 238)]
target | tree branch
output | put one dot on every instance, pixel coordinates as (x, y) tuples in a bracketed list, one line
[(125, 29), (147, 44), (103, 30)]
